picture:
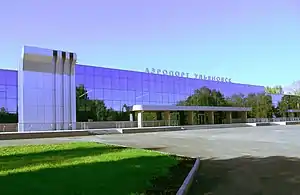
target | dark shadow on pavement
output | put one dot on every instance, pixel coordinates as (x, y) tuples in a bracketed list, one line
[(275, 175)]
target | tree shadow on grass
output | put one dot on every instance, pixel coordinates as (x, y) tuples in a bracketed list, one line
[(53, 156), (125, 176), (248, 176)]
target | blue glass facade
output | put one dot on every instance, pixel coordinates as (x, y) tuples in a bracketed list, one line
[(119, 87), (9, 90)]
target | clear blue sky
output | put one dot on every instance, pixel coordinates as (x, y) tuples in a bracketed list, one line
[(251, 41)]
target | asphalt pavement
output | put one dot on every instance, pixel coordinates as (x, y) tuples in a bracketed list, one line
[(211, 143)]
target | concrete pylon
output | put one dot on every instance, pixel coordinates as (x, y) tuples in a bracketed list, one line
[(211, 117), (244, 117), (190, 118), (167, 118), (47, 91), (140, 119), (228, 117)]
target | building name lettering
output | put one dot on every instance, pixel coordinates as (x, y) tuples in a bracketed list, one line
[(187, 75)]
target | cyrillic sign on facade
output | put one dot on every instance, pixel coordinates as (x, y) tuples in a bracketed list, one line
[(187, 75)]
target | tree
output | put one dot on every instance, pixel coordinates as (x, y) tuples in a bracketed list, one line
[(6, 117), (261, 104), (288, 102), (293, 89), (89, 109), (82, 104), (205, 97), (274, 90), (124, 115), (81, 98), (96, 110), (237, 100), (2, 110)]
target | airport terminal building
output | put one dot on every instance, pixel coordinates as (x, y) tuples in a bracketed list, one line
[(118, 87), (46, 80)]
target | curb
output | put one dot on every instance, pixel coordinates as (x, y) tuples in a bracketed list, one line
[(42, 134), (183, 190)]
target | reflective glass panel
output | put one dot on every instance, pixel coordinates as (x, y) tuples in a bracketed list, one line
[(11, 91)]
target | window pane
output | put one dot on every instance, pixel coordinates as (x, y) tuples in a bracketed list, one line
[(98, 71), (144, 96), (2, 77), (146, 76), (146, 85), (11, 92), (165, 98), (116, 94), (11, 78), (3, 91), (153, 97), (79, 69), (131, 84), (108, 103), (79, 80), (91, 93), (11, 105), (131, 95), (123, 83), (107, 94), (115, 83), (90, 81), (116, 105), (99, 94), (107, 82), (123, 74), (2, 103), (89, 70)]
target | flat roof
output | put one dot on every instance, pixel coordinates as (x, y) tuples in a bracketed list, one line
[(187, 108)]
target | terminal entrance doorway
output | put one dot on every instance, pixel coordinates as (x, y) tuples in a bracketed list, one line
[(200, 118)]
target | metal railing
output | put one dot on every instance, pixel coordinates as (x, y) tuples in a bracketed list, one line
[(282, 119), (13, 127), (160, 123)]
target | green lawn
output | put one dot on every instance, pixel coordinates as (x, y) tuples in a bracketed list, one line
[(79, 168)]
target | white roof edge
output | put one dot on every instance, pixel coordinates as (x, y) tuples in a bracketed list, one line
[(186, 108)]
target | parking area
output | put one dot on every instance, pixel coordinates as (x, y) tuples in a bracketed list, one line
[(225, 167), (217, 143), (212, 143)]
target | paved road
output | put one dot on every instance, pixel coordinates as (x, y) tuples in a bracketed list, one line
[(212, 143)]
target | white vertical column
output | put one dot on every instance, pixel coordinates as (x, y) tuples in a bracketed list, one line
[(131, 116), (66, 90), (58, 91), (20, 93), (55, 62), (140, 119), (72, 105)]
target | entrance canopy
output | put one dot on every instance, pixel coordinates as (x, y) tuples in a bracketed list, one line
[(137, 108), (167, 109)]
